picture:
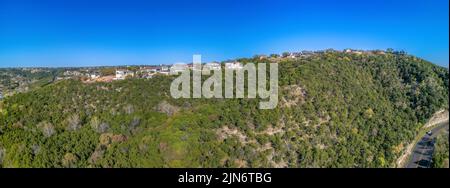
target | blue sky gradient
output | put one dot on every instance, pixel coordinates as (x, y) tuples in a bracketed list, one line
[(112, 32)]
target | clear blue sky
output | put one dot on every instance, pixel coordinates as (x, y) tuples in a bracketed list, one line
[(108, 32)]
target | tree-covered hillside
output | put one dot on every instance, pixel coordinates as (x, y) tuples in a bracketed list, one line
[(335, 110)]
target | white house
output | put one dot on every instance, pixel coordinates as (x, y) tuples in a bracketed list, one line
[(122, 74), (94, 75), (178, 67), (233, 65), (348, 50), (154, 70), (72, 73), (164, 68), (212, 66)]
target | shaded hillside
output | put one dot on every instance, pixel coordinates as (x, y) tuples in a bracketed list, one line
[(335, 110)]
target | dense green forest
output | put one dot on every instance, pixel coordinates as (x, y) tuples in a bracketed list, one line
[(335, 110)]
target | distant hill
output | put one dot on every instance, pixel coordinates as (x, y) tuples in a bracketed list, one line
[(335, 110)]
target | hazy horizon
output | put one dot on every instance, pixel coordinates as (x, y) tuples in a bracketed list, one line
[(168, 63)]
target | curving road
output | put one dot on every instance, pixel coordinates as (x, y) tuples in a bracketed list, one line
[(423, 150)]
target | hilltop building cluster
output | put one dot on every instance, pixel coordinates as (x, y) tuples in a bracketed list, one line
[(95, 74)]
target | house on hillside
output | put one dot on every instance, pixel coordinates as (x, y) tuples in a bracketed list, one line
[(72, 73), (233, 65), (94, 75), (212, 66), (121, 74), (164, 68), (306, 53), (358, 52), (147, 72), (178, 67)]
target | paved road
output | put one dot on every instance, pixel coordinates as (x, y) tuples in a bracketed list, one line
[(423, 150)]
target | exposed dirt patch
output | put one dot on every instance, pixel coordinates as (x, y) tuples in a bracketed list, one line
[(272, 130), (167, 108), (240, 163), (295, 95), (226, 132), (438, 117), (403, 158)]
